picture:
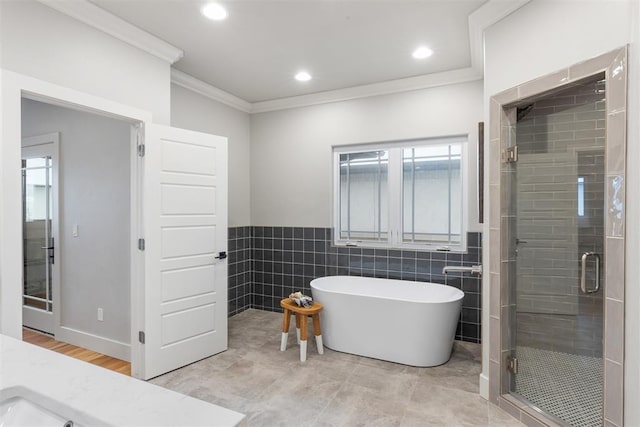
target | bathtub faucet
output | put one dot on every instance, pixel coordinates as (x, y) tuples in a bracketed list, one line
[(474, 269)]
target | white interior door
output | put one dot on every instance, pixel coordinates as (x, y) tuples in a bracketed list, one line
[(41, 273), (185, 230)]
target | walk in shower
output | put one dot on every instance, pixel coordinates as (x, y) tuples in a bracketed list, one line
[(557, 192), (557, 232)]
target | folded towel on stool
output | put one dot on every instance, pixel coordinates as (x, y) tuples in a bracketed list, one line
[(301, 300)]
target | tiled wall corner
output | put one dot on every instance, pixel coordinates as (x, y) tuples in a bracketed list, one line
[(240, 269)]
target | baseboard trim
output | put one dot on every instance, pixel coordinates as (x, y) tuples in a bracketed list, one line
[(103, 345), (484, 386)]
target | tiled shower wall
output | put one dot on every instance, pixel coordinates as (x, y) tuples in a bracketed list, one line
[(285, 259), (560, 138)]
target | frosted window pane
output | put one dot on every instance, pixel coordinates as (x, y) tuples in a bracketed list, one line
[(432, 194), (581, 196), (363, 195)]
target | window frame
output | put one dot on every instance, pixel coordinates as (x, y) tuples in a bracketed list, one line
[(395, 191)]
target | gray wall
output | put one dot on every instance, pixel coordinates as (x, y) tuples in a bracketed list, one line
[(94, 173), (192, 111), (291, 163)]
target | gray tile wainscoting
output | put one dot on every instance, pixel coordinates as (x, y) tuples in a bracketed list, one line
[(240, 269), (266, 264)]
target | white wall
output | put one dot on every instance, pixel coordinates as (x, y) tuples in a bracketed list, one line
[(190, 110), (632, 273), (545, 36), (94, 175), (40, 42), (5, 291), (291, 162)]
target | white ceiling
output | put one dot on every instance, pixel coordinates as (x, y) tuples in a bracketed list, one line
[(263, 43)]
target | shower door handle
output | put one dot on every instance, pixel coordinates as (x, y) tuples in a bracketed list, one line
[(583, 274)]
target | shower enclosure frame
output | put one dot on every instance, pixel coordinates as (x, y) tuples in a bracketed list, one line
[(502, 268)]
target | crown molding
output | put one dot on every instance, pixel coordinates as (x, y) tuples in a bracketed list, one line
[(92, 15), (481, 19), (205, 89), (425, 81)]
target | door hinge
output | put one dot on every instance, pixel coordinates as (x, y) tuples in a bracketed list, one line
[(512, 364), (140, 140), (141, 244), (510, 155), (141, 337)]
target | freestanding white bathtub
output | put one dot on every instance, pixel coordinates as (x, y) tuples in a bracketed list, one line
[(413, 323)]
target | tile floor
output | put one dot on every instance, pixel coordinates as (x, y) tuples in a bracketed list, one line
[(566, 385), (335, 389)]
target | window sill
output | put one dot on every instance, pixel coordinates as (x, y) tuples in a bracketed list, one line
[(406, 247)]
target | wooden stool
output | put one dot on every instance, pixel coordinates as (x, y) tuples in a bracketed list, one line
[(290, 307)]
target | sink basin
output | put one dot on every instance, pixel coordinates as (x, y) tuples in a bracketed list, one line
[(18, 411), (21, 406)]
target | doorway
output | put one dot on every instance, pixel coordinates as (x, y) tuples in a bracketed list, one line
[(41, 275), (558, 202), (77, 233)]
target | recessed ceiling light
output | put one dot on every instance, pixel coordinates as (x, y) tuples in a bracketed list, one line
[(214, 11), (422, 52), (303, 76)]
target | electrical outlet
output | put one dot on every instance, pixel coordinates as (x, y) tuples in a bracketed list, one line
[(100, 315)]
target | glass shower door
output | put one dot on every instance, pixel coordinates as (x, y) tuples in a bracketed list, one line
[(38, 241), (557, 239)]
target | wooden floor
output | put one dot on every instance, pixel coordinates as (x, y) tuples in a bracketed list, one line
[(48, 342)]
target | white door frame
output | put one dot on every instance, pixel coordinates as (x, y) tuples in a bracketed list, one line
[(13, 88), (50, 142)]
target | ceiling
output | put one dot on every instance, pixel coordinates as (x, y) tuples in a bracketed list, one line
[(256, 51)]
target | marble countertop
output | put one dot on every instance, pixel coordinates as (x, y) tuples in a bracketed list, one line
[(92, 395)]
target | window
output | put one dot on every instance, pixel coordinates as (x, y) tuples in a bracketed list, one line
[(404, 194), (581, 196)]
